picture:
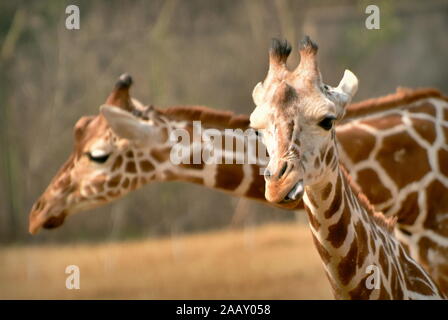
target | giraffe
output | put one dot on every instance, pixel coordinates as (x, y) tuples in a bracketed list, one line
[(100, 169), (297, 113), (412, 184)]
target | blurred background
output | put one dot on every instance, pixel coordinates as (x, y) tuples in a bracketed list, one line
[(187, 241)]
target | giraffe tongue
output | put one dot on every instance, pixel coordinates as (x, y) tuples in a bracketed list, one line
[(296, 192)]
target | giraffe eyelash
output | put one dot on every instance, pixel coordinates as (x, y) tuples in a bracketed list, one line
[(98, 159)]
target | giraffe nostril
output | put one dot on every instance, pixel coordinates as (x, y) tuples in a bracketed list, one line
[(267, 174), (283, 170), (38, 206)]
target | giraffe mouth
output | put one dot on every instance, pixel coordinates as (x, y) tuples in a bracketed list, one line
[(55, 221), (47, 223), (296, 192)]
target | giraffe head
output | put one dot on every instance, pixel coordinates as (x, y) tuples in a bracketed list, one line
[(113, 154), (296, 113)]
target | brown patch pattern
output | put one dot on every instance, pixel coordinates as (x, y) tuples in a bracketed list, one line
[(347, 266), (425, 129), (416, 159), (372, 186), (336, 203), (229, 177), (357, 143)]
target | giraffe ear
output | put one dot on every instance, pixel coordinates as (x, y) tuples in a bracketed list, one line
[(258, 116), (127, 126), (348, 84)]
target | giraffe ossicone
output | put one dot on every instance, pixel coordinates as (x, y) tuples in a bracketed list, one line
[(297, 117)]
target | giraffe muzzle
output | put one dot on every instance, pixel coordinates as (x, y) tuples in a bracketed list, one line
[(49, 223), (45, 219)]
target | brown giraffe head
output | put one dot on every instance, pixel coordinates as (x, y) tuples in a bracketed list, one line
[(296, 112), (112, 155)]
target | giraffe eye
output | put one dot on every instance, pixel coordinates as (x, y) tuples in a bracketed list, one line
[(327, 122), (98, 158)]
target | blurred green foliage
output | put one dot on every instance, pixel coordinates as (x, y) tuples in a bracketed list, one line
[(362, 41)]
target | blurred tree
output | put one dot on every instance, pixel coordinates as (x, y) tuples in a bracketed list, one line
[(179, 52), (9, 156)]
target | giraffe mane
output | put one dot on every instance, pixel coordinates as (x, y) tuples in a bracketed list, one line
[(227, 119), (209, 117), (402, 96), (386, 223)]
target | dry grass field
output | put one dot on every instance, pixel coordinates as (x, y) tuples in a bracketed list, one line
[(275, 261)]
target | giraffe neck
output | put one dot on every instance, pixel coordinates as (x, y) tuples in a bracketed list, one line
[(410, 137), (237, 177), (399, 158), (361, 258)]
